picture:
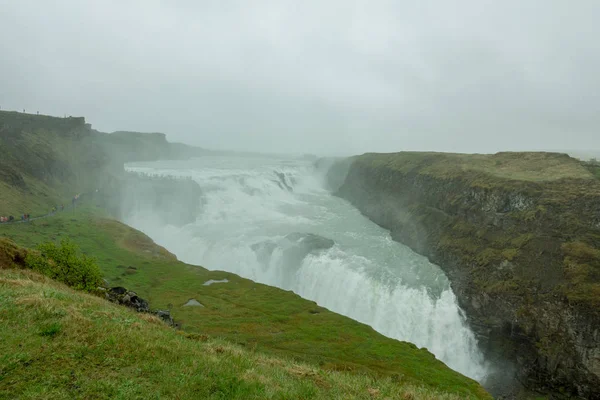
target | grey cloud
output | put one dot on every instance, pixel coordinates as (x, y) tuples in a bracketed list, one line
[(313, 76)]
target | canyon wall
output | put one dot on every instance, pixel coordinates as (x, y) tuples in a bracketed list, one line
[(518, 234)]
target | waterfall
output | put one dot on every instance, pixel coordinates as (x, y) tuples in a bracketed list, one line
[(271, 220)]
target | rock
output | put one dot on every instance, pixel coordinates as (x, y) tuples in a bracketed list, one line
[(119, 290), (127, 298), (121, 295), (165, 316), (211, 281), (264, 251), (295, 247), (193, 303), (310, 241), (283, 182)]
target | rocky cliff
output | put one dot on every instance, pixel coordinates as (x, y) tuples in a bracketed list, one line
[(124, 146), (518, 234), (46, 160)]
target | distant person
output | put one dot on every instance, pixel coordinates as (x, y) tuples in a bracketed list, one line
[(11, 218), (62, 207)]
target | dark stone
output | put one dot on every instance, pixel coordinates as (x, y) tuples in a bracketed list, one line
[(127, 298), (283, 182), (165, 316), (130, 299), (310, 241), (119, 290)]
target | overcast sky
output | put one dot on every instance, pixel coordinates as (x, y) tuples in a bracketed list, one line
[(321, 76)]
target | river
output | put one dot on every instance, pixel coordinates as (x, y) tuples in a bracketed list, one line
[(254, 215)]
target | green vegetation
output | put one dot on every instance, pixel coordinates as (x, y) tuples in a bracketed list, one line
[(518, 234), (260, 318), (247, 340), (523, 166), (45, 162), (529, 191), (61, 344), (594, 167), (64, 264)]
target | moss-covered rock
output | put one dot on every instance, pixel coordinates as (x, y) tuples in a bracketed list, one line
[(518, 234)]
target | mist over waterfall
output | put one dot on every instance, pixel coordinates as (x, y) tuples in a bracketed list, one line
[(271, 220)]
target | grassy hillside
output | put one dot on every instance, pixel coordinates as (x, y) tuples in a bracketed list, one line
[(45, 161), (127, 146), (521, 166), (256, 341), (257, 317), (61, 344)]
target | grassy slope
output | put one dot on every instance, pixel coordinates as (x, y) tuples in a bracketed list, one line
[(521, 166), (61, 344), (50, 159), (593, 167), (254, 316), (44, 162)]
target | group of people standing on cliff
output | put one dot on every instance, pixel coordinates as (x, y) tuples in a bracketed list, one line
[(24, 217), (27, 217)]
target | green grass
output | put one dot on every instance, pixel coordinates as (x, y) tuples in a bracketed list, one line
[(249, 341), (559, 195), (256, 317), (594, 167), (61, 344), (520, 166), (45, 162)]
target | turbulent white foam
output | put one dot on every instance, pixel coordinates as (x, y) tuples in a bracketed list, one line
[(365, 276)]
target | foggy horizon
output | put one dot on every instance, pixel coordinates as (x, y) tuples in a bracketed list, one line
[(320, 78)]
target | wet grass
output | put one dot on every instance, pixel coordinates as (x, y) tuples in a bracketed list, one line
[(255, 317), (61, 344), (520, 166), (249, 341)]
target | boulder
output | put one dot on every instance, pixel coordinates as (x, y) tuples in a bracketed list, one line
[(165, 316), (309, 241), (127, 298)]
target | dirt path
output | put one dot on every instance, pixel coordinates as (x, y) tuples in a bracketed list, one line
[(73, 206)]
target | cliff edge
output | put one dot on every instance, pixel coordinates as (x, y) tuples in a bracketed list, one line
[(518, 234)]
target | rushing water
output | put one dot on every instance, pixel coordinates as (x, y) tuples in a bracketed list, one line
[(252, 205)]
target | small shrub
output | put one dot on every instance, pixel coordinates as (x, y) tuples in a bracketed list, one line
[(64, 263)]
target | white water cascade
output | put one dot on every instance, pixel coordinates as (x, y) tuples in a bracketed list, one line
[(255, 220)]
